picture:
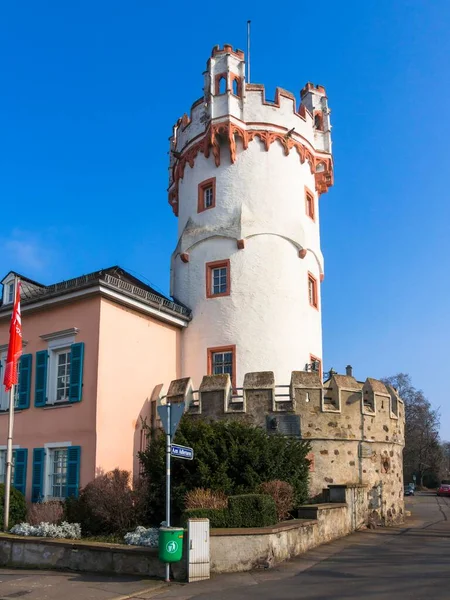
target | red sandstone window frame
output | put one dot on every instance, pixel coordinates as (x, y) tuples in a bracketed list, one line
[(312, 359), (220, 350), (210, 266), (312, 281), (202, 186), (310, 205), (218, 80)]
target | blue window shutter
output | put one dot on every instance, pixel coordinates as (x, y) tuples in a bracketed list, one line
[(40, 392), (25, 381), (73, 470), (76, 372), (20, 469), (37, 490)]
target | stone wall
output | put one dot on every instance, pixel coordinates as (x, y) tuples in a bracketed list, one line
[(232, 550), (44, 553), (356, 429)]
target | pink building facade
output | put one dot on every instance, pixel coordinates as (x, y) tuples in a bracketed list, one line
[(94, 348)]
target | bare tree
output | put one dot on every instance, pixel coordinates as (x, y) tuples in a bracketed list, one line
[(423, 455)]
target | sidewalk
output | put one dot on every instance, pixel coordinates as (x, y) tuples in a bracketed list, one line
[(58, 585), (284, 571)]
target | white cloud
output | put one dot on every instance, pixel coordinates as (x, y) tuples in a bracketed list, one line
[(26, 252)]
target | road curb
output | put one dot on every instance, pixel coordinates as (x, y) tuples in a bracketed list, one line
[(147, 591)]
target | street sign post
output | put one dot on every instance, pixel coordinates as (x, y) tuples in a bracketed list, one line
[(170, 415), (182, 452)]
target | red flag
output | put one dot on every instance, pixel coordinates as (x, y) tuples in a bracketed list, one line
[(15, 344)]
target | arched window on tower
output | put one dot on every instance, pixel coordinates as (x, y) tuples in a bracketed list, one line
[(222, 85), (318, 121), (235, 87)]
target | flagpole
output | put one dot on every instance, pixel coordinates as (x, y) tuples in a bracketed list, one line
[(9, 446), (9, 458)]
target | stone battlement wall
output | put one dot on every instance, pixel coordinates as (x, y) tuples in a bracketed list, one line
[(342, 408), (356, 429)]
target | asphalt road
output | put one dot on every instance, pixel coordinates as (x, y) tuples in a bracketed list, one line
[(409, 563), (412, 563)]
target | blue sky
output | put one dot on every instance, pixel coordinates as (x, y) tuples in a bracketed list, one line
[(89, 93)]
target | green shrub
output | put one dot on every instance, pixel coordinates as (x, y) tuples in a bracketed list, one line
[(232, 457), (218, 517), (252, 510), (17, 506)]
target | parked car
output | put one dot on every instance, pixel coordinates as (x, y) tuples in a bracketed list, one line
[(409, 489), (444, 488)]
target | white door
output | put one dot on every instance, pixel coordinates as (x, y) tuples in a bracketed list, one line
[(198, 549)]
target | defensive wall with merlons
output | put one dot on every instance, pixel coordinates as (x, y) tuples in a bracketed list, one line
[(356, 429)]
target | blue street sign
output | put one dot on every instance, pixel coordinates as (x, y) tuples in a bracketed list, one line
[(182, 452)]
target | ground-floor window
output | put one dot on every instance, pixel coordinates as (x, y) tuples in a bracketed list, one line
[(56, 472)]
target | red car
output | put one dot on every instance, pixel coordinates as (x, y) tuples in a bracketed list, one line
[(444, 489)]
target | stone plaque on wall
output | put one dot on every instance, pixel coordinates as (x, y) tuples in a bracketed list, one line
[(365, 450), (284, 424)]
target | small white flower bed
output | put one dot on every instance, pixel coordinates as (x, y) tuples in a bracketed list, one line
[(143, 537), (70, 531)]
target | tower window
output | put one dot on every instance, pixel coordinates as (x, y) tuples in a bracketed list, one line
[(223, 360), (218, 278), (221, 84), (206, 194), (309, 202), (316, 364), (236, 84), (318, 121), (312, 291)]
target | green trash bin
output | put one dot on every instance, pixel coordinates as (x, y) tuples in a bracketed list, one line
[(170, 544)]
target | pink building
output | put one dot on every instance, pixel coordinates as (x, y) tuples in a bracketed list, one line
[(94, 348)]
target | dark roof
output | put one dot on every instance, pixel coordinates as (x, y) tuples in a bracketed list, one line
[(114, 277), (23, 278)]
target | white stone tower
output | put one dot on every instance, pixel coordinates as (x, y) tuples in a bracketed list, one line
[(245, 179)]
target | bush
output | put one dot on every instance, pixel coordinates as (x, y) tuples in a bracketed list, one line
[(282, 494), (201, 498), (233, 457), (218, 517), (252, 510), (143, 537), (68, 531), (45, 512), (108, 505), (17, 506)]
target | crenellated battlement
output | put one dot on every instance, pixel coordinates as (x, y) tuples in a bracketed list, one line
[(340, 409), (355, 428), (233, 112)]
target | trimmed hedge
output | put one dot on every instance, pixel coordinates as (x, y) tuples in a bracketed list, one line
[(246, 510), (17, 506), (218, 517), (252, 510), (231, 457)]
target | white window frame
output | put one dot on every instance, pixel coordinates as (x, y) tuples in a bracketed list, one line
[(47, 486), (219, 292), (223, 362), (4, 396), (208, 196), (7, 290), (55, 348), (3, 449)]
